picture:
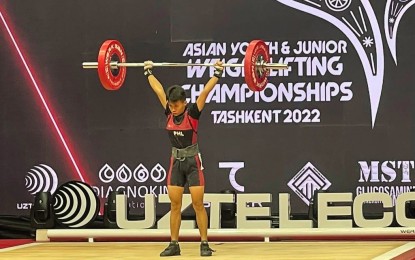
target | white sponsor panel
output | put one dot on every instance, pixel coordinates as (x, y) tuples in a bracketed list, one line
[(332, 205)]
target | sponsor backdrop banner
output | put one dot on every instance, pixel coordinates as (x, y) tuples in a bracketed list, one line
[(339, 119)]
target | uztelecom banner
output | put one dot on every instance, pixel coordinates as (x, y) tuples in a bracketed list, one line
[(339, 119)]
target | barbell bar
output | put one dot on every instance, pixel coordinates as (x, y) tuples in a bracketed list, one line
[(112, 73), (115, 65)]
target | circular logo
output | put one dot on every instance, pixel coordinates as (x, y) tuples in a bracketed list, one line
[(106, 174), (141, 173), (158, 173), (41, 178), (75, 204), (338, 5), (123, 174)]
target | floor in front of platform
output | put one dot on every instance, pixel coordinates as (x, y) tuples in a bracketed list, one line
[(190, 250)]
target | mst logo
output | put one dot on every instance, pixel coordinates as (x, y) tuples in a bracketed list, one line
[(306, 181), (385, 171)]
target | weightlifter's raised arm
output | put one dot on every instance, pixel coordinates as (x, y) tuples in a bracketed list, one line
[(201, 100), (154, 83)]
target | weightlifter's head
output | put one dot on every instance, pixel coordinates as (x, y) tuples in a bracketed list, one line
[(176, 98)]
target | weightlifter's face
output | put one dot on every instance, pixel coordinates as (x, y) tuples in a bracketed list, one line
[(177, 107)]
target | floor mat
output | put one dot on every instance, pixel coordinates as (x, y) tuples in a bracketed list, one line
[(5, 243)]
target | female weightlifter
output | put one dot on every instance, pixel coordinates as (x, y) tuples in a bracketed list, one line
[(185, 163)]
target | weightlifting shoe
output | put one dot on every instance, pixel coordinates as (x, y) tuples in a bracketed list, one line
[(205, 250), (172, 249)]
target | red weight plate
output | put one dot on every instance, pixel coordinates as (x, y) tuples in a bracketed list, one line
[(256, 81), (108, 50)]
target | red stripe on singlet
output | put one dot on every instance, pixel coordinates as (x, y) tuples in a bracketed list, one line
[(199, 169), (170, 169), (194, 123)]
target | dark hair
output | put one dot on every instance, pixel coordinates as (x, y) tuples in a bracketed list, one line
[(175, 93)]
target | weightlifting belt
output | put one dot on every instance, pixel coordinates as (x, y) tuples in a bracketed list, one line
[(189, 151)]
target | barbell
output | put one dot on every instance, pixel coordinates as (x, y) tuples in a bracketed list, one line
[(112, 65)]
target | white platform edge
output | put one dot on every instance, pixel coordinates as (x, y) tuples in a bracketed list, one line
[(406, 233)]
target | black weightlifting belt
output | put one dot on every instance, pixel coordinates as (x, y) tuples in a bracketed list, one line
[(189, 151)]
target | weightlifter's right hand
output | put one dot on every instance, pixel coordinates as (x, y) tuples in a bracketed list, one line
[(148, 67)]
